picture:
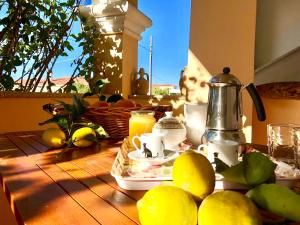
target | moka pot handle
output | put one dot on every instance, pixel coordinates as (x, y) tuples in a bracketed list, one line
[(260, 110)]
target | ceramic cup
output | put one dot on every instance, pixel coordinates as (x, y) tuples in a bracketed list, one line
[(225, 150), (152, 145)]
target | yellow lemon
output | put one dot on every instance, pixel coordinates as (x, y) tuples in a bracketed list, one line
[(228, 208), (83, 137), (167, 205), (194, 173), (54, 137)]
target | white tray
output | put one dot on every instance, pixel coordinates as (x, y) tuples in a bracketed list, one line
[(132, 175)]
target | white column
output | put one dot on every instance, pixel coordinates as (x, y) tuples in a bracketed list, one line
[(116, 16)]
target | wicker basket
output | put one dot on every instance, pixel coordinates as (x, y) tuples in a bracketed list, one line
[(115, 120)]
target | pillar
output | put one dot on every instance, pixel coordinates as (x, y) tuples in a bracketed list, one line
[(120, 24)]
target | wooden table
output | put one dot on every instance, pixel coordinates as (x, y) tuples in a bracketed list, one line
[(75, 188), (45, 188)]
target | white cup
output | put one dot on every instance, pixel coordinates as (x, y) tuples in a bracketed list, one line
[(225, 150), (152, 145)]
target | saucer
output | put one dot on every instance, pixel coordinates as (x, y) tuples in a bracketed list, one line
[(168, 155)]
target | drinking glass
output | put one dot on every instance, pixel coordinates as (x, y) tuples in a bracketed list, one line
[(281, 142), (141, 121), (296, 133)]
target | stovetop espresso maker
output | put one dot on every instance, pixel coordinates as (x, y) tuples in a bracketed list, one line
[(224, 112)]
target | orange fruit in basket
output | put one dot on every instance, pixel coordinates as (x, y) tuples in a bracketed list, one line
[(100, 104), (124, 103)]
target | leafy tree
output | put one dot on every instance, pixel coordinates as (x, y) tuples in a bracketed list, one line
[(34, 34)]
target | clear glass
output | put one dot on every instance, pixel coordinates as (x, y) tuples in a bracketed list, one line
[(281, 142), (141, 121), (296, 133)]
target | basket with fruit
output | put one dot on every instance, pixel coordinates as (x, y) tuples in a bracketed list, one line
[(114, 114)]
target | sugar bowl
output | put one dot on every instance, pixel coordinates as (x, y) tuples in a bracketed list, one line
[(173, 131)]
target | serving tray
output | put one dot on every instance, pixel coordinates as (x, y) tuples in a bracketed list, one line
[(134, 175)]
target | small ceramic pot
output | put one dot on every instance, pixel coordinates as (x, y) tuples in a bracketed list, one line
[(173, 131)]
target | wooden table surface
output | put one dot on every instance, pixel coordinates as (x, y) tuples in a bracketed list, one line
[(45, 188), (74, 188)]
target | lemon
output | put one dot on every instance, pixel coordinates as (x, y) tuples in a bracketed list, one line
[(54, 137), (167, 205), (228, 208), (83, 137), (194, 173)]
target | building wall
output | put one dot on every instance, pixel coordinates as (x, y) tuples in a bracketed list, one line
[(277, 29), (23, 111), (277, 111), (222, 33)]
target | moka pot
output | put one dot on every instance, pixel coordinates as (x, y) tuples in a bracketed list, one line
[(224, 112)]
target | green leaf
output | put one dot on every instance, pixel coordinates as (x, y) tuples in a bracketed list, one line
[(102, 98), (64, 54), (71, 2), (17, 62), (81, 44), (87, 94), (37, 65), (67, 107), (78, 105), (90, 137), (4, 21), (73, 88), (220, 165), (7, 82), (59, 120), (98, 129), (101, 132)]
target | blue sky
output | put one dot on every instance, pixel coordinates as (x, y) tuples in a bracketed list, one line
[(170, 32)]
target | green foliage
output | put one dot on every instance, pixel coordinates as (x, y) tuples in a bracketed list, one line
[(96, 89), (159, 91), (34, 34), (79, 88)]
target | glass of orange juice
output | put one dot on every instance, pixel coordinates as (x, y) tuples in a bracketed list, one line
[(141, 121)]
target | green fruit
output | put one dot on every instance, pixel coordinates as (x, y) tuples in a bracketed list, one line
[(258, 168), (277, 199), (235, 174)]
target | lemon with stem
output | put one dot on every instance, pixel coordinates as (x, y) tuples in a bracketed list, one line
[(84, 137)]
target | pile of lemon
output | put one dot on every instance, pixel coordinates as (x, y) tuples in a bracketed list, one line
[(56, 138), (193, 185)]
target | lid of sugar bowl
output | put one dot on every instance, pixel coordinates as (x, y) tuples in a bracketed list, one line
[(168, 122)]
